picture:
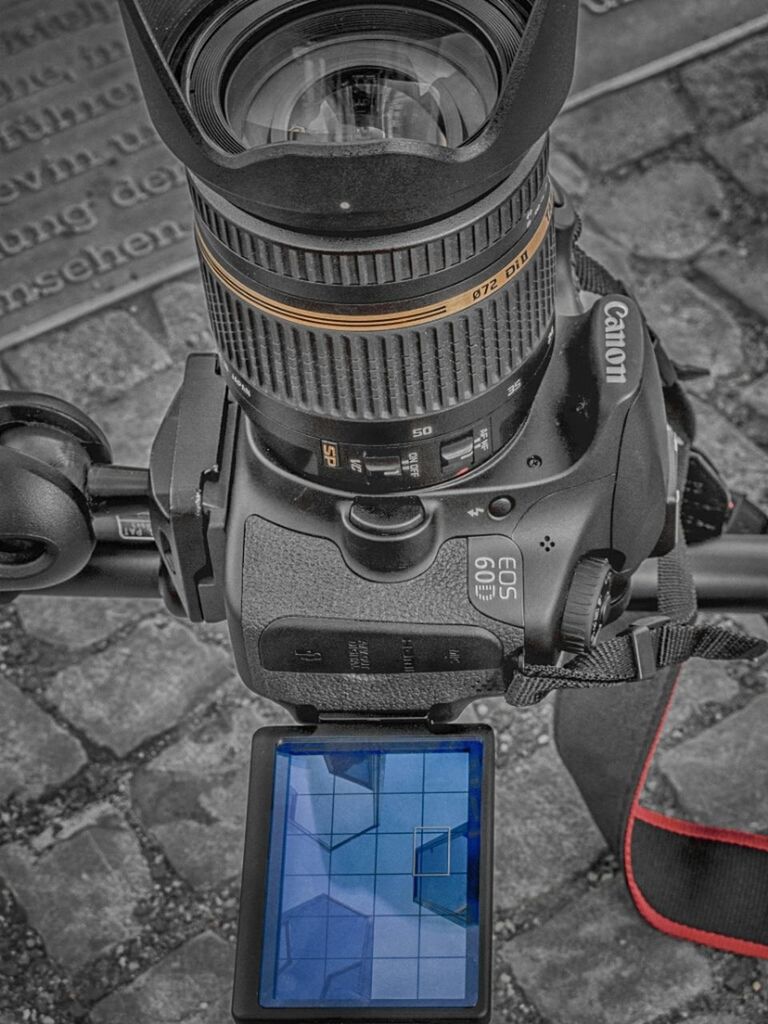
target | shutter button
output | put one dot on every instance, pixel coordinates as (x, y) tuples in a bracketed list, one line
[(387, 518)]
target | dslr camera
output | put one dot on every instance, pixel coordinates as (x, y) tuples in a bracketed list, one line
[(420, 469)]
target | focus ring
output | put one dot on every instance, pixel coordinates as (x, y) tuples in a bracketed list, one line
[(378, 267)]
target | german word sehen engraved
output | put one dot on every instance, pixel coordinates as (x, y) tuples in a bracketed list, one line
[(616, 36), (91, 203)]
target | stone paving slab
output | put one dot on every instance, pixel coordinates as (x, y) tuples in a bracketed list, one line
[(94, 362), (721, 776), (742, 270), (616, 36), (544, 834), (35, 752), (140, 687), (743, 152), (701, 684), (597, 962), (754, 398), (744, 466), (192, 797), (76, 622), (607, 133), (731, 85), (190, 986), (672, 211), (131, 422), (714, 1018), (696, 330), (80, 894)]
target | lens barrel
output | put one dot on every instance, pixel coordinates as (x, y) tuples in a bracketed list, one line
[(374, 216), (388, 363)]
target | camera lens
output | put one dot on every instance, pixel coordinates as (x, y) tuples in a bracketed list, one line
[(362, 74), (373, 361)]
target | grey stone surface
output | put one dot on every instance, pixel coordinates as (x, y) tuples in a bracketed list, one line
[(623, 126), (131, 422), (742, 270), (714, 1018), (597, 962), (75, 622), (80, 895), (754, 398), (91, 363), (730, 85), (743, 152), (544, 834), (184, 314), (35, 752), (190, 986), (672, 211), (721, 776), (192, 797), (696, 329), (701, 683), (140, 687), (567, 172), (520, 732), (743, 465)]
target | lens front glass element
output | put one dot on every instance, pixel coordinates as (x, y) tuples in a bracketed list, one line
[(363, 74)]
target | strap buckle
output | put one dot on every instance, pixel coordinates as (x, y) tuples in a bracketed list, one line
[(642, 644)]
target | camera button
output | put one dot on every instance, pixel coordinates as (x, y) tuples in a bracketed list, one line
[(502, 507)]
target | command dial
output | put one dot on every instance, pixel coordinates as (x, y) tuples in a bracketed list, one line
[(587, 606)]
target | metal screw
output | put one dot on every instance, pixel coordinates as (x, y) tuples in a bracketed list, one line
[(535, 462)]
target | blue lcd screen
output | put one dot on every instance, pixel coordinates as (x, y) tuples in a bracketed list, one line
[(373, 877)]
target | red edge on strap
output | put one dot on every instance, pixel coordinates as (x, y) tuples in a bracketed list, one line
[(694, 831), (685, 828)]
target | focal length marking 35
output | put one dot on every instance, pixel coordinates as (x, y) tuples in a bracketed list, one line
[(382, 321)]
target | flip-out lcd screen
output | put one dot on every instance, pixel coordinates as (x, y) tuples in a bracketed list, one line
[(372, 895)]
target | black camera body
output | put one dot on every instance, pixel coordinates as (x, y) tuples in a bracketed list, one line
[(416, 603)]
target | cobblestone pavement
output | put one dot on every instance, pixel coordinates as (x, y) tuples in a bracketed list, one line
[(124, 735)]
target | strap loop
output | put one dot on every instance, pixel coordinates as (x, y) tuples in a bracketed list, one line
[(642, 644)]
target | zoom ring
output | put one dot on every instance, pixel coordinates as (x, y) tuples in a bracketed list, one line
[(388, 375)]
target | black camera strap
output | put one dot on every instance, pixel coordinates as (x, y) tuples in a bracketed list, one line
[(650, 644), (695, 882), (692, 881)]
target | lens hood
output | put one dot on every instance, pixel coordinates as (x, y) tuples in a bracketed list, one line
[(353, 189)]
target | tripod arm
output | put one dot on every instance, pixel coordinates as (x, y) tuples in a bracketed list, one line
[(730, 573), (73, 524)]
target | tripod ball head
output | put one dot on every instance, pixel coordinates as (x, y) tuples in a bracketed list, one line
[(46, 449)]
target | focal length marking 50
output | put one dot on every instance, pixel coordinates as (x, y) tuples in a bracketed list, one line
[(381, 321)]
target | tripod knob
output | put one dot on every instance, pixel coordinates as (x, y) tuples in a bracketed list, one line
[(587, 605), (46, 448)]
